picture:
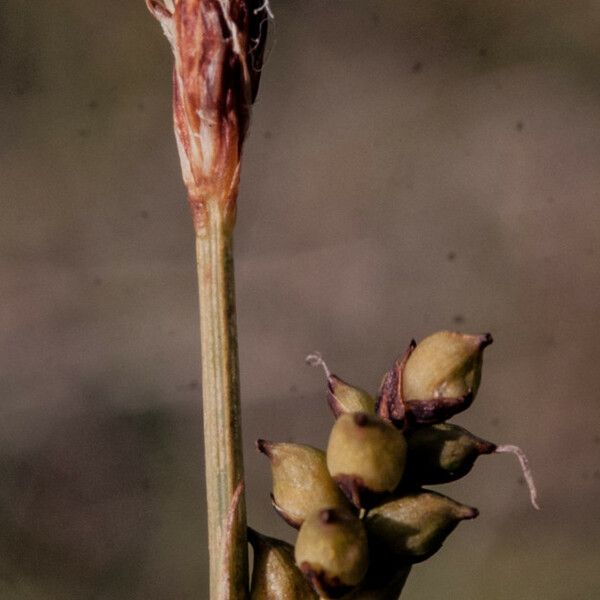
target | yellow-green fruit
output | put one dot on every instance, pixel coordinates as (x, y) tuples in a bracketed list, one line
[(365, 456), (332, 552), (275, 575), (444, 365), (301, 482), (345, 398), (414, 526), (442, 453)]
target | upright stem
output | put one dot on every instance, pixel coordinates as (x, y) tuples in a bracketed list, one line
[(221, 408)]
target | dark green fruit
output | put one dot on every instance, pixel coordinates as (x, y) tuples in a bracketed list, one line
[(365, 456), (301, 482), (332, 552), (384, 580), (413, 527), (442, 453), (275, 575)]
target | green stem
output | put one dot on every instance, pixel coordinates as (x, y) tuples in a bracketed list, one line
[(221, 408)]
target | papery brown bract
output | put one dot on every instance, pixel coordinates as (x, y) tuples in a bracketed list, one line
[(218, 47)]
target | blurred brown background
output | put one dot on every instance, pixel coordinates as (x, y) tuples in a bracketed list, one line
[(411, 166)]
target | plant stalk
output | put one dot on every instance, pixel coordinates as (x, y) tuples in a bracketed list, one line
[(221, 408)]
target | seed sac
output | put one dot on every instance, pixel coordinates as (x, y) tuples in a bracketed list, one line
[(365, 456), (444, 365), (345, 398), (301, 482), (332, 552), (442, 453), (275, 575), (414, 527)]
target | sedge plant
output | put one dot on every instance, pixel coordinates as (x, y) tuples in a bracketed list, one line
[(361, 509)]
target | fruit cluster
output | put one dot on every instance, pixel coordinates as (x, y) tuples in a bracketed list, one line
[(362, 513)]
